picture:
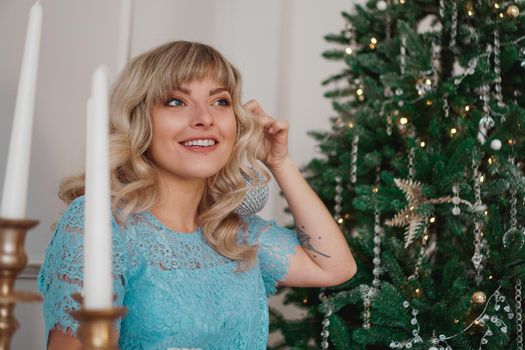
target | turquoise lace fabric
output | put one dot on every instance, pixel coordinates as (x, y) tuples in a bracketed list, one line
[(178, 291)]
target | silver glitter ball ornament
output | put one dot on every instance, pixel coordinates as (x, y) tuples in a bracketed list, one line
[(495, 144), (255, 198), (381, 5)]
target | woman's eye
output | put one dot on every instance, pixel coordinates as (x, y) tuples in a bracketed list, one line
[(175, 102), (223, 102)]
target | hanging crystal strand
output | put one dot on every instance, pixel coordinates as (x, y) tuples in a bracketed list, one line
[(497, 70), (436, 54), (515, 234), (456, 200), (454, 25), (388, 24), (387, 93), (442, 10), (486, 122), (378, 231), (338, 199), (446, 109), (403, 54), (477, 258), (353, 165), (421, 255), (367, 293), (327, 309), (519, 317), (411, 170)]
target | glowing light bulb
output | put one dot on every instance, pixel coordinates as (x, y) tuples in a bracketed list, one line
[(453, 131), (373, 41), (359, 91), (348, 51), (467, 108), (423, 144), (432, 220), (403, 121)]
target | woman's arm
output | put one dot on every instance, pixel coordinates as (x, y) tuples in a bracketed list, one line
[(324, 258)]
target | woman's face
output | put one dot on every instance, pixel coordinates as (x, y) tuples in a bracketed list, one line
[(194, 131)]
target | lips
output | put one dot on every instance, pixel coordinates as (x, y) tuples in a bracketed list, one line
[(200, 144)]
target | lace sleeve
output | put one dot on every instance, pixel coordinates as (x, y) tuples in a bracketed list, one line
[(61, 274), (276, 245)]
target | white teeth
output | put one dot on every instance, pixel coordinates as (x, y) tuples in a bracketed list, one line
[(201, 142)]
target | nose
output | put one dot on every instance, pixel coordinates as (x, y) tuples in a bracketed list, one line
[(202, 118)]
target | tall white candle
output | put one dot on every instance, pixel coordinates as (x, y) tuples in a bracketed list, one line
[(14, 199), (125, 33), (98, 279)]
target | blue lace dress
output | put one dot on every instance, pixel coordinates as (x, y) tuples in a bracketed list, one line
[(178, 291)]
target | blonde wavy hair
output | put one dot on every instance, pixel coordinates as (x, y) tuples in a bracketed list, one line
[(147, 80)]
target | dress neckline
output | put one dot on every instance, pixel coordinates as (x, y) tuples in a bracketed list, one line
[(153, 219)]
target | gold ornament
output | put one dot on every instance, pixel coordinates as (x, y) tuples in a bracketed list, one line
[(479, 298), (409, 216), (513, 11), (417, 292)]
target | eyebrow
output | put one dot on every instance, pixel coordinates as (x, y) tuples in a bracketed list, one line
[(212, 92)]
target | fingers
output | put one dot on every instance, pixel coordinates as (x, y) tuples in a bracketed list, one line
[(276, 126), (255, 108)]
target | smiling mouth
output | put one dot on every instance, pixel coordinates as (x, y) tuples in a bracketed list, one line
[(200, 145)]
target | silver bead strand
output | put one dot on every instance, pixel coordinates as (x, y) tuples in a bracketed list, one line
[(442, 10), (446, 109), (454, 26), (497, 70), (519, 317), (456, 200), (327, 308), (403, 54), (411, 170), (515, 234), (477, 258), (353, 165), (486, 122), (421, 256), (338, 199), (378, 231)]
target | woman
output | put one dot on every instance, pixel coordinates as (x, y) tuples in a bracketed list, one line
[(191, 271)]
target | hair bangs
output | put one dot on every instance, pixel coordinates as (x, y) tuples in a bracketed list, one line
[(191, 61)]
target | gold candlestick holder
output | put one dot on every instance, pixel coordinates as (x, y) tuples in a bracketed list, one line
[(13, 259), (96, 330)]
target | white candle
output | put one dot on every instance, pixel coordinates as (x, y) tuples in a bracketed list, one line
[(17, 172), (125, 31), (98, 279)]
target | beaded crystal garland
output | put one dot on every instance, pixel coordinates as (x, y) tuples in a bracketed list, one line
[(497, 69), (490, 319), (408, 344), (477, 258), (338, 199), (353, 165), (327, 309), (519, 315), (515, 235), (403, 54)]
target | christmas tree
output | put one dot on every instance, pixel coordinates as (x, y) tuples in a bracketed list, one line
[(423, 170)]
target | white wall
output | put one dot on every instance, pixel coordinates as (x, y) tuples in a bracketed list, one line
[(275, 44)]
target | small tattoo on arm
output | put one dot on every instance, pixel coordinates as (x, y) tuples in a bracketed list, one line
[(304, 238)]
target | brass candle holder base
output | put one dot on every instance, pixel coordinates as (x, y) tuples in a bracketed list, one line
[(96, 330), (13, 259)]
